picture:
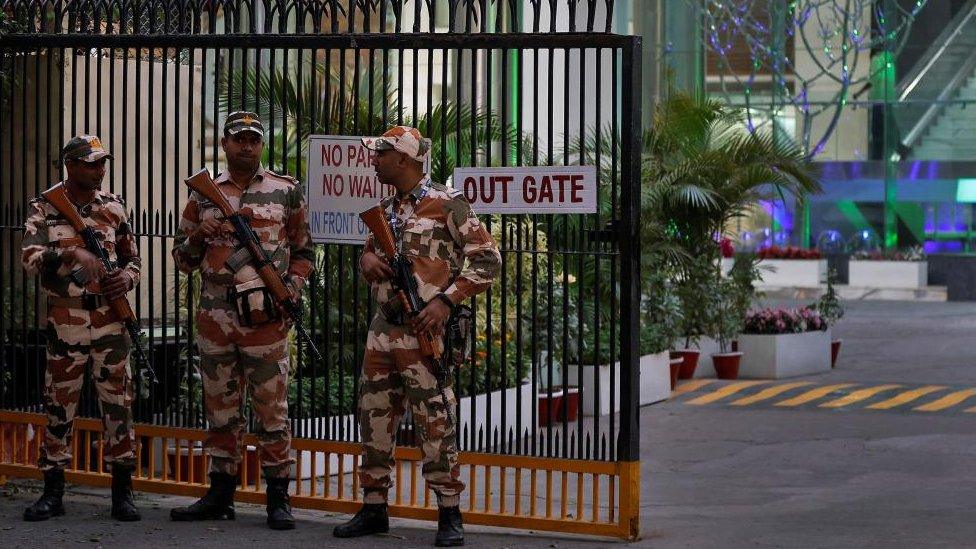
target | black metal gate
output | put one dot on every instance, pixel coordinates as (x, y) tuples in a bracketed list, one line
[(491, 85)]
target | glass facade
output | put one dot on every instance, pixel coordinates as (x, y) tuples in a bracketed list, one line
[(880, 93)]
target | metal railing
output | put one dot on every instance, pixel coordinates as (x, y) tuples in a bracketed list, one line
[(938, 75), (568, 289)]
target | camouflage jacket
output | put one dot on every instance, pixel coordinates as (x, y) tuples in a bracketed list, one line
[(438, 231), (275, 206), (48, 234)]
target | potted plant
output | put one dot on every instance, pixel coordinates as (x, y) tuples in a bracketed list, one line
[(734, 297), (830, 310), (793, 267), (726, 326), (781, 343), (704, 170), (661, 318), (695, 289), (889, 269)]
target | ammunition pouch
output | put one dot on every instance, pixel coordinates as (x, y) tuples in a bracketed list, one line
[(457, 340), (253, 303)]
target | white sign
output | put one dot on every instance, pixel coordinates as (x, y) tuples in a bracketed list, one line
[(536, 189), (341, 184)]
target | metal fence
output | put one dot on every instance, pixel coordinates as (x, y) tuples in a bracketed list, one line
[(485, 80)]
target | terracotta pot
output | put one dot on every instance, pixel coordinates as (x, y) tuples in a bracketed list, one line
[(549, 407), (675, 369), (570, 404), (689, 363), (727, 365), (834, 351)]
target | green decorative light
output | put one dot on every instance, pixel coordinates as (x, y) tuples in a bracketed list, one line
[(966, 190)]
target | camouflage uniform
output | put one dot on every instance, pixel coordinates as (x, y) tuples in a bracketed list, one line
[(233, 356), (439, 231), (81, 328)]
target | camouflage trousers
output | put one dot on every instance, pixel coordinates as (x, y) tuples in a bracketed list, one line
[(236, 360), (79, 339), (394, 376)]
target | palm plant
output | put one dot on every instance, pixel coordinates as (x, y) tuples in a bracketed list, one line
[(707, 170)]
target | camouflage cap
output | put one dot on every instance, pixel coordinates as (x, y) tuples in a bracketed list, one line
[(241, 121), (404, 139), (87, 148)]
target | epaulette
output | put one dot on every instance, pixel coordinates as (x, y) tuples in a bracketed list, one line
[(285, 177)]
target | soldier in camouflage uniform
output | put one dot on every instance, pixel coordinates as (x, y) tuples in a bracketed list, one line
[(243, 338), (82, 331), (436, 228)]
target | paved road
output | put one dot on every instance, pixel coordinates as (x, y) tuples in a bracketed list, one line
[(714, 473)]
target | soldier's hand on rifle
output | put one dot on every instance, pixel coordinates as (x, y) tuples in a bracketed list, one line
[(374, 268), (208, 229), (116, 284), (431, 319), (94, 268)]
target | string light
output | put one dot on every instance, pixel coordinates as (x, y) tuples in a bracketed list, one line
[(836, 34)]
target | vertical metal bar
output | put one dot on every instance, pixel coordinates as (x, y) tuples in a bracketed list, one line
[(567, 54), (598, 258), (629, 438)]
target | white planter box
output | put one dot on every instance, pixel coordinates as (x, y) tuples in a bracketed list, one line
[(800, 273), (888, 274), (655, 383), (784, 355)]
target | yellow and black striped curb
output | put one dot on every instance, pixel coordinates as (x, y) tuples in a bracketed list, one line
[(834, 396)]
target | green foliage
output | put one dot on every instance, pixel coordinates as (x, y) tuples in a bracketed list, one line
[(829, 305), (734, 296), (661, 316), (695, 289), (362, 103), (705, 169)]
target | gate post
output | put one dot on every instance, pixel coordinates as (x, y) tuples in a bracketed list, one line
[(628, 442)]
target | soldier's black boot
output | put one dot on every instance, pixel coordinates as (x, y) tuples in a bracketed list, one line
[(49, 504), (216, 504), (123, 508), (279, 505), (372, 518), (450, 530)]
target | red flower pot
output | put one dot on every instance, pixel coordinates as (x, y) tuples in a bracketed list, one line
[(727, 365), (570, 403), (549, 407), (676, 362), (834, 351), (689, 363)]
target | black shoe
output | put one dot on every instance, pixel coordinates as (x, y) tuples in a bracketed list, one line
[(279, 507), (450, 530), (371, 519), (216, 504), (123, 508), (49, 504)]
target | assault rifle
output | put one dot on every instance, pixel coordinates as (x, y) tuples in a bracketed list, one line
[(404, 282), (202, 183), (57, 196)]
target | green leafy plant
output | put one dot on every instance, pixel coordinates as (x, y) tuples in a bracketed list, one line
[(661, 315), (829, 306)]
